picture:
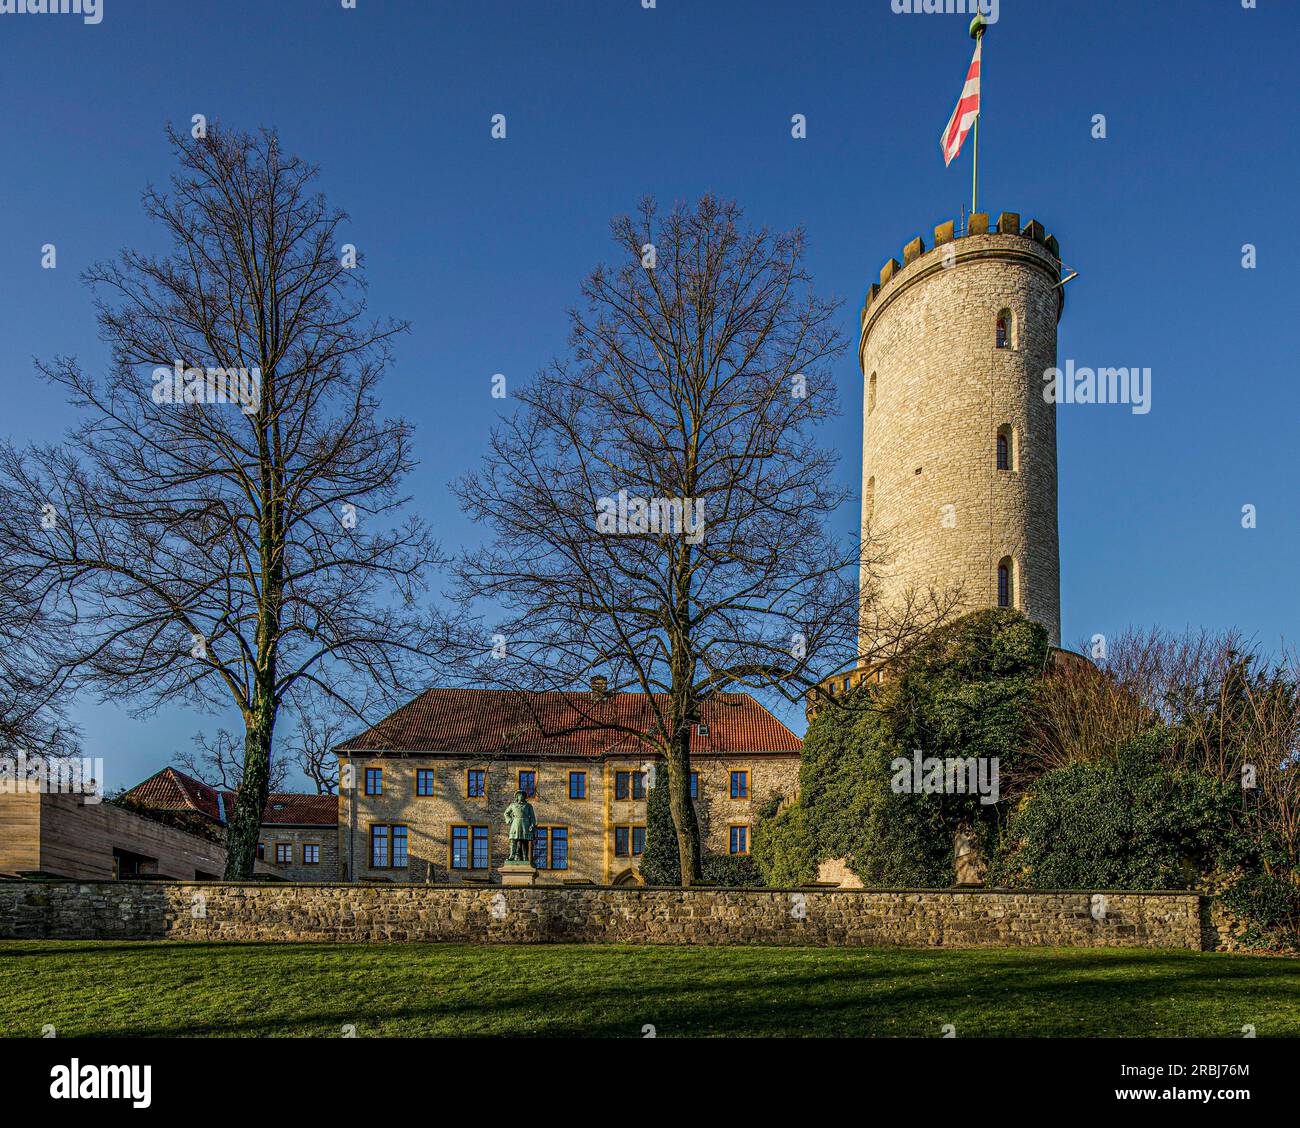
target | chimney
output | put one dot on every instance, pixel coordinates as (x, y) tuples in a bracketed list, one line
[(599, 688)]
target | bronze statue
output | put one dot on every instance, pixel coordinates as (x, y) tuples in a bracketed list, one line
[(522, 821)]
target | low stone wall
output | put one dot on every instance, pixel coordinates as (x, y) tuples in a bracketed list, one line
[(493, 914)]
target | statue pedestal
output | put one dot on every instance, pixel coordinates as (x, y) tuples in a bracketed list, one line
[(518, 873)]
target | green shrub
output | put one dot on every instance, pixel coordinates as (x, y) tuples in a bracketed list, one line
[(1265, 909), (730, 869), (1130, 822), (966, 691), (781, 850), (660, 864)]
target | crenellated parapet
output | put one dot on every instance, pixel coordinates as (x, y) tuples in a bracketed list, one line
[(1008, 223)]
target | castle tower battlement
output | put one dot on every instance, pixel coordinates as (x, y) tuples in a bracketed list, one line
[(959, 445)]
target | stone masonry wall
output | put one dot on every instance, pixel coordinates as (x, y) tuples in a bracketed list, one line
[(958, 919), (936, 392), (324, 838)]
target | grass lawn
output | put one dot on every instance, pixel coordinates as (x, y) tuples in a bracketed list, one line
[(262, 990)]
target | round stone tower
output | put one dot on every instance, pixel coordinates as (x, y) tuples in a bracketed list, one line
[(959, 443)]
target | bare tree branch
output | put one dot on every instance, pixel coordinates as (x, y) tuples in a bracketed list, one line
[(217, 552), (699, 369)]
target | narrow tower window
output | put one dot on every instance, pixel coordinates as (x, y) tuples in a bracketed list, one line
[(1006, 330), (1006, 582), (1005, 460), (871, 496), (871, 394)]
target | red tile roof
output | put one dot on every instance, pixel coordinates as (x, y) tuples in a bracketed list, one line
[(171, 790), (289, 808), (493, 722)]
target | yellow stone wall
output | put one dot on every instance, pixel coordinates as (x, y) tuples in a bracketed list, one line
[(297, 837), (590, 821)]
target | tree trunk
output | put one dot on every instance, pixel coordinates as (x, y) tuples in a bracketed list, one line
[(245, 825), (250, 798), (683, 809)]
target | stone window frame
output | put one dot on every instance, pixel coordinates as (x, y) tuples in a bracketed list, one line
[(470, 839), (433, 784), (378, 774), (1011, 567), (630, 837), (531, 791), (550, 830), (469, 782), (310, 846), (731, 839), (1010, 340), (1006, 433), (748, 785), (389, 839), (629, 786), (584, 796), (284, 846)]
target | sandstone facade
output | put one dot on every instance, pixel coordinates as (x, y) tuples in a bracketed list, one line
[(300, 845), (591, 823)]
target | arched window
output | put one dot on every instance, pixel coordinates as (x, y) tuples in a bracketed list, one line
[(1006, 582), (1006, 330), (871, 394), (1006, 448), (871, 496)]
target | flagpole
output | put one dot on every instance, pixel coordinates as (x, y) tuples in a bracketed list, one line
[(977, 29)]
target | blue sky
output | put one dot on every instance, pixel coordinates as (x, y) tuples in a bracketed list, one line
[(482, 243)]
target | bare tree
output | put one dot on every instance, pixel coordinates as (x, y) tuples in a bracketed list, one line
[(317, 730), (658, 500), (229, 516), (218, 761), (33, 688), (1228, 714)]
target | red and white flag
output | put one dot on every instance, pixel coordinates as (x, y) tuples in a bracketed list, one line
[(968, 108)]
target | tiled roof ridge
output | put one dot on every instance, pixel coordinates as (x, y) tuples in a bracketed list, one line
[(182, 792), (455, 720)]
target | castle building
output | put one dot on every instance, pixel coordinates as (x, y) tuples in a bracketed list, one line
[(422, 798), (959, 442), (423, 793), (959, 480)]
